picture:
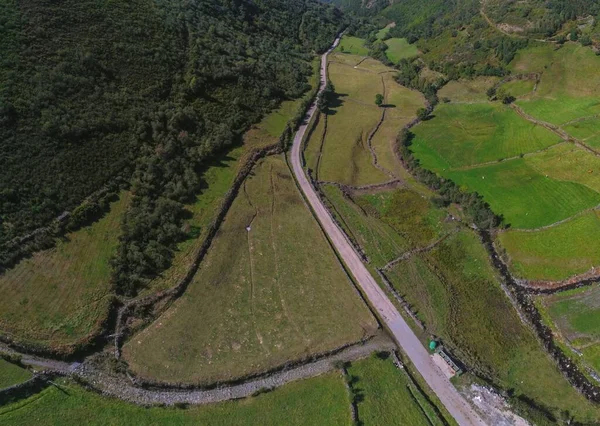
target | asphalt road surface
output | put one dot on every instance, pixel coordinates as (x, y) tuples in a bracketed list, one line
[(458, 407)]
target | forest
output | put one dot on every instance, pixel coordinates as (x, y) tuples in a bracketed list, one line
[(97, 95)]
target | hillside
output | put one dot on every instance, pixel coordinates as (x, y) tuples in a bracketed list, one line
[(103, 91)]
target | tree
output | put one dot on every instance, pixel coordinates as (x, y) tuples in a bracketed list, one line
[(585, 40), (574, 36), (491, 92), (422, 114), (379, 99)]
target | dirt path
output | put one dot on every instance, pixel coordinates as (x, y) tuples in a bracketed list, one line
[(403, 334)]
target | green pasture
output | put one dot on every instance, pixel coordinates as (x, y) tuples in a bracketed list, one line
[(354, 85), (11, 374), (454, 290), (519, 88), (60, 296), (272, 283), (583, 129), (321, 400), (526, 198), (388, 396), (467, 91), (469, 134), (570, 85), (353, 46), (555, 253), (400, 48)]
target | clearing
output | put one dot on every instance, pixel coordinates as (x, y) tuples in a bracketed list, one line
[(400, 48), (274, 295)]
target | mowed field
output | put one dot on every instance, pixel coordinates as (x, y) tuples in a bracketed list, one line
[(575, 315), (345, 156), (60, 296), (523, 171), (470, 134), (321, 400), (555, 253), (279, 292), (11, 374), (388, 396)]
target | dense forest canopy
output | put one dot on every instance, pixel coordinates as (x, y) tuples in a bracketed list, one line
[(146, 88)]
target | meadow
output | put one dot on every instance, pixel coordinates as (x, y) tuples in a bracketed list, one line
[(561, 97), (519, 88), (387, 396), (353, 46), (320, 400), (469, 134), (11, 374), (273, 275), (352, 117), (59, 296), (555, 253), (467, 91), (400, 48), (575, 314)]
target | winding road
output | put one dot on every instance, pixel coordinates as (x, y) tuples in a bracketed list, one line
[(456, 405)]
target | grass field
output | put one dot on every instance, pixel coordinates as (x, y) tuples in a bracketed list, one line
[(576, 315), (526, 198), (454, 290), (313, 145), (321, 400), (11, 374), (354, 115), (400, 48), (403, 104), (470, 134), (569, 87), (388, 397), (61, 295), (555, 253), (273, 285), (353, 46), (519, 88), (467, 91)]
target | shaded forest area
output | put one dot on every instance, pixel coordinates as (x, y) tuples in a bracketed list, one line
[(143, 89)]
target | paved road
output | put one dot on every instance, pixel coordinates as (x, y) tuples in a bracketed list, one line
[(408, 341)]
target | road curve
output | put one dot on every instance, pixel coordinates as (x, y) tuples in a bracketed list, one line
[(458, 407)]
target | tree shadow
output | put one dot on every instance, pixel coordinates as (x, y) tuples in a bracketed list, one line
[(335, 101)]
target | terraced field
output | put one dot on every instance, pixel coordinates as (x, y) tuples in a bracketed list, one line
[(322, 400), (274, 294), (555, 253), (575, 315), (60, 296)]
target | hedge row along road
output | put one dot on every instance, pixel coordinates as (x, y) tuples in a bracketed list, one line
[(458, 407)]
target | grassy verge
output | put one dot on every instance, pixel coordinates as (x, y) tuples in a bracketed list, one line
[(273, 285), (322, 400), (61, 295)]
